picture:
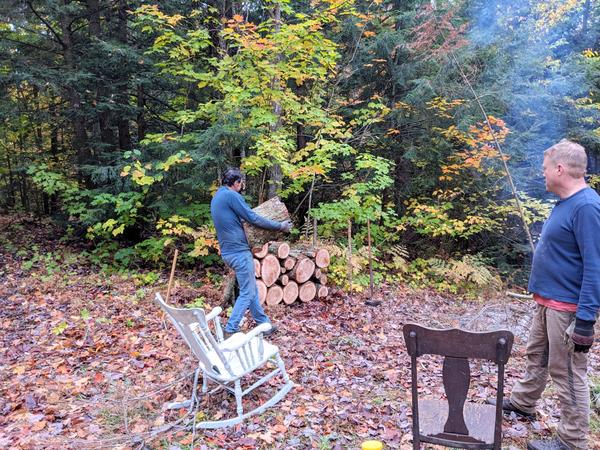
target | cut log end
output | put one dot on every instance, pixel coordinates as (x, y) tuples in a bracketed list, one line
[(270, 270), (261, 251), (303, 270), (279, 249), (322, 291), (256, 268), (322, 258), (307, 291), (262, 291), (274, 295), (290, 293)]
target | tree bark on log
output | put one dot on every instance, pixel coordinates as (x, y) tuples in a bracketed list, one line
[(273, 209), (307, 291), (290, 292), (274, 295), (270, 270)]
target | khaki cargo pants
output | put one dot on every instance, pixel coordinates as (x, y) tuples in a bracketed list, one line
[(549, 353)]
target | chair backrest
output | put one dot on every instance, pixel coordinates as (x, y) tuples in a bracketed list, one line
[(457, 347), (193, 327)]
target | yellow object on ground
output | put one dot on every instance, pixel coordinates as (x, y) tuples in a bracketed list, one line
[(372, 445)]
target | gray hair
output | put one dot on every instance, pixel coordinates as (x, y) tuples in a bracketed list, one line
[(571, 155)]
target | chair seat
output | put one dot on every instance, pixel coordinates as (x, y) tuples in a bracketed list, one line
[(480, 419), (254, 360)]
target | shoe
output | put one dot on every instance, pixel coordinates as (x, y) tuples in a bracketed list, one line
[(507, 406), (548, 444), (273, 329), (227, 334)]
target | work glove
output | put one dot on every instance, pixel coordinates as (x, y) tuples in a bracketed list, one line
[(583, 335), (286, 226)]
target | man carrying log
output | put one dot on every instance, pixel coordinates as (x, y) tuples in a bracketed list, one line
[(565, 283), (228, 209)]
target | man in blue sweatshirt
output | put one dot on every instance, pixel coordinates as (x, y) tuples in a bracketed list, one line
[(228, 210), (565, 282)]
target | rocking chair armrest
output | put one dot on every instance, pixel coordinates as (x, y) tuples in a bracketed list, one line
[(214, 313), (232, 346)]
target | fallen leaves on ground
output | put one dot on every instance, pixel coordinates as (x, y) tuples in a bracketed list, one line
[(89, 362)]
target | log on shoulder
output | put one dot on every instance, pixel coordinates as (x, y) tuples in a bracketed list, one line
[(273, 209)]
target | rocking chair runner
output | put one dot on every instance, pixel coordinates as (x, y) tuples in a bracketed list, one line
[(226, 361), (453, 423)]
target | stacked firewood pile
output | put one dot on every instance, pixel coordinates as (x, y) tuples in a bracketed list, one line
[(285, 274)]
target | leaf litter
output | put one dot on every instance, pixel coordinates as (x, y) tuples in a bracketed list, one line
[(87, 362)]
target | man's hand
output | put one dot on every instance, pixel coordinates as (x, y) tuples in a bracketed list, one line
[(286, 226), (583, 335)]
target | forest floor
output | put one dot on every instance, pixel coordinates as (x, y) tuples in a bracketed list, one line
[(87, 362)]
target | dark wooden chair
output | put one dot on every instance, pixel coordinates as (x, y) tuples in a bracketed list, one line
[(454, 423)]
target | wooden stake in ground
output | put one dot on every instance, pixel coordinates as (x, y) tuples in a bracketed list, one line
[(370, 302), (172, 275), (350, 256)]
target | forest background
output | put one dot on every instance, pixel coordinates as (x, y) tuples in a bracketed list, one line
[(118, 117)]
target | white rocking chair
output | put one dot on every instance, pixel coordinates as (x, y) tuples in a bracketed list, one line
[(226, 361)]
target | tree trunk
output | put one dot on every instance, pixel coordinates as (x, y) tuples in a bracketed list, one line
[(11, 183), (123, 96), (586, 17), (141, 118), (80, 138), (276, 177)]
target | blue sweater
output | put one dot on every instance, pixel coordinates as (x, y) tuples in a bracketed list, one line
[(566, 262), (228, 209)]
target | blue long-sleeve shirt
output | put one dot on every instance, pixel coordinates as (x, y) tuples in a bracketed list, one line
[(566, 262), (228, 209)]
